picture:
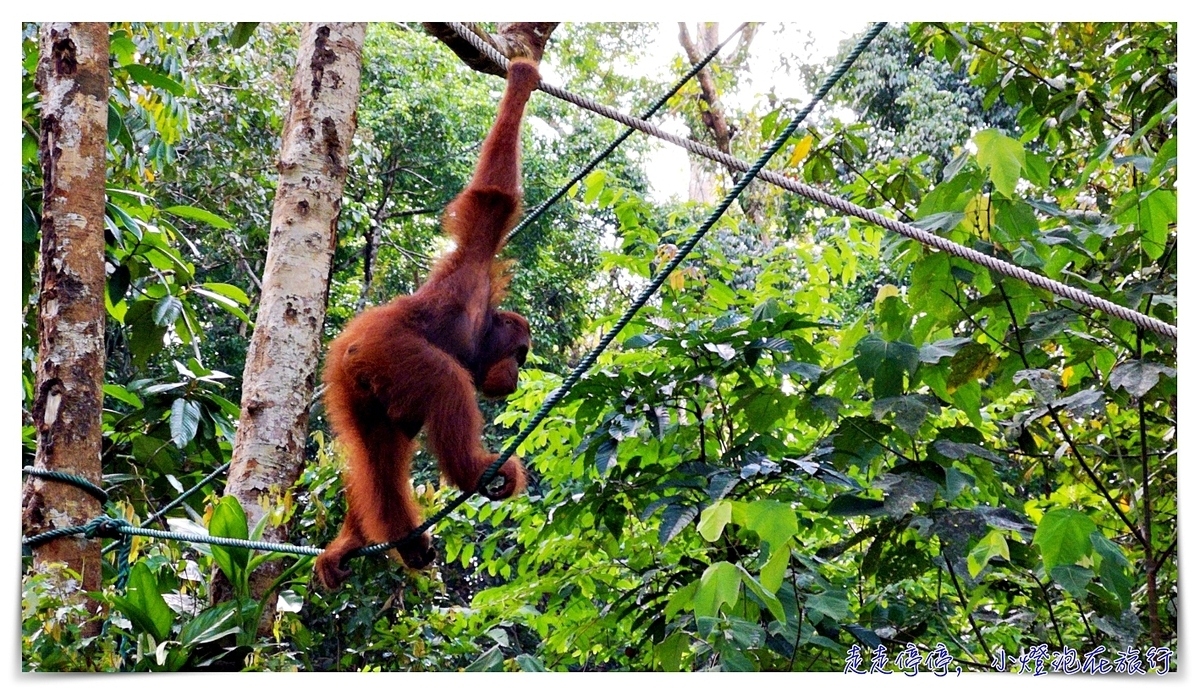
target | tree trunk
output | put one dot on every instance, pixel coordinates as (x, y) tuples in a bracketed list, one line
[(281, 362), (72, 77), (701, 180)]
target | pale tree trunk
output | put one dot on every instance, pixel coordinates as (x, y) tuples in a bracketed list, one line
[(281, 363), (72, 77)]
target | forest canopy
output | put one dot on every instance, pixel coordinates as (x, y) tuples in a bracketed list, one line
[(820, 446)]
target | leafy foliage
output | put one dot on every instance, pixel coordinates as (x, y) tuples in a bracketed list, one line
[(817, 437)]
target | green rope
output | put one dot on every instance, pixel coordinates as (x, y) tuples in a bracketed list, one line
[(557, 395), (109, 527), (587, 168), (178, 500), (70, 479)]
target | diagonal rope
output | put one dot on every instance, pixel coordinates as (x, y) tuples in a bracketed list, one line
[(587, 168), (655, 282), (844, 206), (178, 500)]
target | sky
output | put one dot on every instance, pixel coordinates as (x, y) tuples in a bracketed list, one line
[(666, 164)]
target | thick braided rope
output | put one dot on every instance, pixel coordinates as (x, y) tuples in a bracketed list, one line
[(655, 282), (587, 168), (220, 540), (70, 479), (109, 527), (787, 183)]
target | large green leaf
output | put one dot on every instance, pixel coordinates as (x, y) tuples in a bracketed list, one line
[(144, 605), (226, 290), (1064, 536), (1114, 568), (241, 33), (153, 78), (212, 624), (774, 522), (768, 598), (713, 520), (229, 521), (1138, 376), (194, 213), (185, 420), (1003, 157), (994, 544), (885, 363), (670, 651), (719, 586), (675, 518)]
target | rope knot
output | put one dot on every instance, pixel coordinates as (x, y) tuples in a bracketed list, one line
[(105, 527)]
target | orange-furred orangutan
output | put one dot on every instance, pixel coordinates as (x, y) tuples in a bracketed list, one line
[(417, 362)]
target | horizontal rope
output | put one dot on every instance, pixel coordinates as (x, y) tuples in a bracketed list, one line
[(179, 500), (109, 527), (70, 479), (844, 206)]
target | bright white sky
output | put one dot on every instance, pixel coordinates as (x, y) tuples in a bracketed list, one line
[(667, 166)]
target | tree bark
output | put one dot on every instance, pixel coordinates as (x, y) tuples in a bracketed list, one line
[(512, 39), (281, 363), (701, 183), (72, 77)]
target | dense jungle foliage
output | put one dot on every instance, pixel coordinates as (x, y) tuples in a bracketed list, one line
[(820, 447)]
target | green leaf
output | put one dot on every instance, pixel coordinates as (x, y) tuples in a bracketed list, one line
[(153, 78), (242, 31), (593, 184), (144, 605), (1159, 211), (885, 363), (1113, 570), (231, 291), (992, 545), (1137, 377), (167, 310), (1073, 578), (1064, 536), (121, 394), (721, 295), (768, 597), (670, 651), (972, 363), (145, 335), (229, 521), (212, 624), (772, 573), (932, 353), (530, 663), (491, 660), (224, 302), (681, 599), (675, 518), (853, 505), (1003, 157), (642, 340), (719, 586), (832, 603), (185, 420), (192, 213), (713, 520), (774, 522)]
